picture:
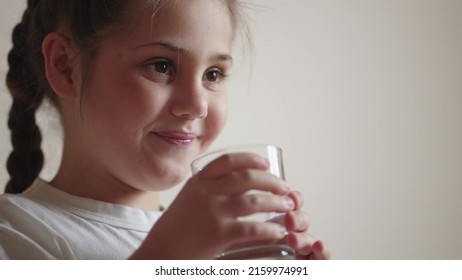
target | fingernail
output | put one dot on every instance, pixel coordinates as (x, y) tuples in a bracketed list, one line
[(290, 203), (265, 162), (318, 245), (283, 231)]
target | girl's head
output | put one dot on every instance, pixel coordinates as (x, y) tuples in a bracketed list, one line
[(139, 85)]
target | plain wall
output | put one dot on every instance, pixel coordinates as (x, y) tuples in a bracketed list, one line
[(365, 97)]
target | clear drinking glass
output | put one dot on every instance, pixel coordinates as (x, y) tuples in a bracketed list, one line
[(260, 251)]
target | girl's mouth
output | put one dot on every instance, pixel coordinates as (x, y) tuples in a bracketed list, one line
[(178, 138)]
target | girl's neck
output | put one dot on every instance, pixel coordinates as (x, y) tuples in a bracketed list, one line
[(148, 201), (80, 179)]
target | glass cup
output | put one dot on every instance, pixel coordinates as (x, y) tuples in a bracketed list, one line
[(272, 250)]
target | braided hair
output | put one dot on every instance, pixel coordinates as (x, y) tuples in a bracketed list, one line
[(26, 159)]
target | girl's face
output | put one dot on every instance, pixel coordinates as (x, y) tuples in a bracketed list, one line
[(155, 97)]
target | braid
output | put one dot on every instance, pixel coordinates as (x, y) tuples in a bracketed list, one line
[(26, 160)]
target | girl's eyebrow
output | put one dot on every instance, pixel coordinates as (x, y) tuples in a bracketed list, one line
[(174, 48)]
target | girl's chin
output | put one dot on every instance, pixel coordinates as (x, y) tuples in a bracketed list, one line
[(166, 182)]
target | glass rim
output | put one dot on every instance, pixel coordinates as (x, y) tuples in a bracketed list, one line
[(233, 149)]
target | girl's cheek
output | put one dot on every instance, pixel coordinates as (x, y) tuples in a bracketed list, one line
[(214, 124), (219, 114)]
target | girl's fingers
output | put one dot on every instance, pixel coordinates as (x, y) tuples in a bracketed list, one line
[(307, 247), (255, 231), (297, 221), (237, 173), (257, 202), (297, 198), (230, 163), (302, 243), (239, 182), (321, 251)]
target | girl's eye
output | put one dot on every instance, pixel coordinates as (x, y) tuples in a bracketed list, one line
[(214, 75), (162, 67)]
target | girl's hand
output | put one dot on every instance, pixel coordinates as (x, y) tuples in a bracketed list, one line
[(202, 221), (297, 223)]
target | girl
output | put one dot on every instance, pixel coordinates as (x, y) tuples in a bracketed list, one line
[(140, 87)]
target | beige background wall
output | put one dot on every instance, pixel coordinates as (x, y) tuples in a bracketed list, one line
[(365, 97)]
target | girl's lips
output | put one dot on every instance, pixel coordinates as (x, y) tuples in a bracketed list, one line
[(183, 139)]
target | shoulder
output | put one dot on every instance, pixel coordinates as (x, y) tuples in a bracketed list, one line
[(14, 199), (14, 207), (24, 234), (34, 203)]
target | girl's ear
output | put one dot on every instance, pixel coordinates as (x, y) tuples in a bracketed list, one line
[(61, 66)]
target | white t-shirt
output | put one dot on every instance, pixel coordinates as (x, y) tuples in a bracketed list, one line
[(46, 223)]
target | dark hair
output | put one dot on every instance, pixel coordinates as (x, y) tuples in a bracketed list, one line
[(86, 22)]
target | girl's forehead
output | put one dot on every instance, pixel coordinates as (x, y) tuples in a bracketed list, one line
[(178, 9), (183, 21), (177, 12)]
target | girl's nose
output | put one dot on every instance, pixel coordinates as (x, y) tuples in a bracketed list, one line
[(190, 101)]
